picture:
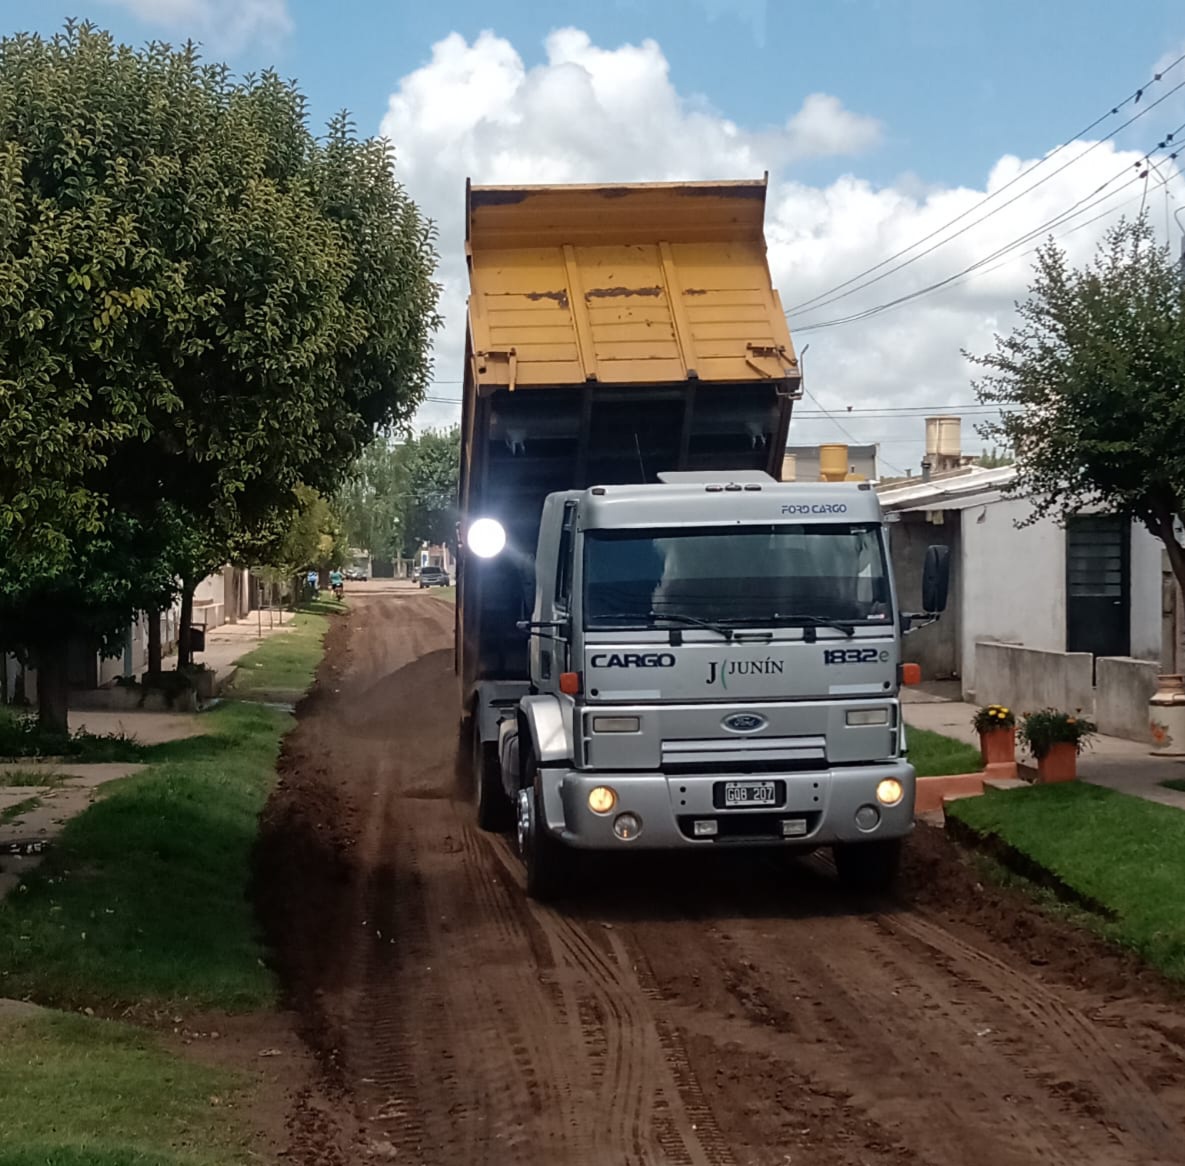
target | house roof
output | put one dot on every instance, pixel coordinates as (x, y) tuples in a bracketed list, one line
[(971, 486)]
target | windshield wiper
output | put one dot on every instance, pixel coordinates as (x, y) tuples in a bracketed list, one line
[(648, 619), (694, 621), (818, 621)]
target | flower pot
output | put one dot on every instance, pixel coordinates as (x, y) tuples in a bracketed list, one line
[(1059, 764), (998, 746)]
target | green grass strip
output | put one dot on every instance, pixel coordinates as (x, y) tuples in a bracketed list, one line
[(83, 1092), (934, 755), (1122, 852), (143, 897), (281, 667)]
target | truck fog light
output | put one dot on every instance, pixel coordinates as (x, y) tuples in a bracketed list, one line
[(616, 724), (705, 827), (868, 716), (601, 799), (889, 792), (868, 818), (627, 826)]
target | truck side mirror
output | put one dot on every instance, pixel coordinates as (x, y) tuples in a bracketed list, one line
[(935, 579)]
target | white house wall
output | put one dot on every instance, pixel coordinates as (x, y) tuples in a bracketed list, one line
[(1014, 581), (1147, 594)]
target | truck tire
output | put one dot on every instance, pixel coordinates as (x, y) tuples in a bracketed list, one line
[(490, 802), (868, 867), (548, 862)]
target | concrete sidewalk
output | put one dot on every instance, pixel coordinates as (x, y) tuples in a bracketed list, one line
[(1127, 766)]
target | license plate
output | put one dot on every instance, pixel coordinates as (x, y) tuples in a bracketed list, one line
[(739, 794)]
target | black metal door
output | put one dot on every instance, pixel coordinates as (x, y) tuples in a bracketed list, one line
[(1098, 585)]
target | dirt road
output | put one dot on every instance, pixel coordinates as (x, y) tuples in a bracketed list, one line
[(733, 1013)]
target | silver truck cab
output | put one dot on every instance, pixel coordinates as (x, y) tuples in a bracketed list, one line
[(714, 662)]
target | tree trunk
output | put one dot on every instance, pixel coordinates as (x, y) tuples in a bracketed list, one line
[(184, 636), (53, 688), (154, 651), (1176, 555)]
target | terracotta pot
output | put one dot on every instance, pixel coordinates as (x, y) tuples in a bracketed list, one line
[(998, 746), (1059, 764)]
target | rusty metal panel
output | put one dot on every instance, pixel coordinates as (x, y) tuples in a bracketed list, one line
[(644, 284)]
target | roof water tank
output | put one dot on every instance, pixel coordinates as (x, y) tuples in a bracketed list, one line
[(833, 463)]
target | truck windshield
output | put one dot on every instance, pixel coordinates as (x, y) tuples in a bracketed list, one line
[(756, 576)]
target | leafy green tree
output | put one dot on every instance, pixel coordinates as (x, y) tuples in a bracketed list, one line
[(1092, 386), (433, 465), (371, 500), (129, 566), (995, 459), (201, 305)]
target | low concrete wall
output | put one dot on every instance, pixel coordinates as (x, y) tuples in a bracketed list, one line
[(1123, 689), (1027, 679)]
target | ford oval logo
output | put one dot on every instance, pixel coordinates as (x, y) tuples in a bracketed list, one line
[(745, 722)]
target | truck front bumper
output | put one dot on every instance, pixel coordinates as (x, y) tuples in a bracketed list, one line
[(818, 808)]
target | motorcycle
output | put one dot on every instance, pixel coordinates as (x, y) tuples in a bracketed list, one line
[(338, 591)]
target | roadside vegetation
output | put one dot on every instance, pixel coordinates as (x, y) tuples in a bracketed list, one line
[(82, 1092), (1123, 853), (142, 909), (281, 668), (1177, 783), (934, 755)]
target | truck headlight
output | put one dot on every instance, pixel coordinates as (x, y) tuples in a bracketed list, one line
[(868, 716), (616, 724), (889, 792), (602, 799), (486, 538)]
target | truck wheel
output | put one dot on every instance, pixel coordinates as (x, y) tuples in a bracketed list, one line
[(490, 801), (868, 867), (548, 862)]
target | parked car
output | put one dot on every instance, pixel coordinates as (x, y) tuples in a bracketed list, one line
[(433, 577), (356, 575)]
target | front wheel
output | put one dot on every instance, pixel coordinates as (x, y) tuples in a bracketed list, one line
[(868, 867), (548, 862)]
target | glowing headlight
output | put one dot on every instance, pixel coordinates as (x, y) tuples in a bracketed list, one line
[(889, 792), (486, 538), (601, 799)]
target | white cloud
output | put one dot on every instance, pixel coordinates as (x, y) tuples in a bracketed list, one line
[(229, 25), (592, 114)]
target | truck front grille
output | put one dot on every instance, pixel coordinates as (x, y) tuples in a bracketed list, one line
[(745, 755)]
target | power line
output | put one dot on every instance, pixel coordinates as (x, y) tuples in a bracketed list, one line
[(813, 302), (1092, 200)]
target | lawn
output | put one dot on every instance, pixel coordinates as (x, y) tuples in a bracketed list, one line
[(142, 903), (1124, 853), (281, 668), (1177, 783), (83, 1092), (447, 593), (934, 755), (143, 898)]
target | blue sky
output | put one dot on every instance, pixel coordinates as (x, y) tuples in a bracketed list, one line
[(879, 120), (956, 82)]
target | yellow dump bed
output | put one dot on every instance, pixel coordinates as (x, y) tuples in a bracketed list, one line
[(657, 283)]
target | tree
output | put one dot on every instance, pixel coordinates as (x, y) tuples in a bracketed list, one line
[(433, 466), (994, 459), (371, 500), (129, 566), (1092, 386), (200, 304)]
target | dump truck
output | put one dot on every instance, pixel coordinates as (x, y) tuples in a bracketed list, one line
[(659, 644)]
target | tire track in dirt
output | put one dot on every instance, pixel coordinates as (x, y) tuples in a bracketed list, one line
[(736, 1015)]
